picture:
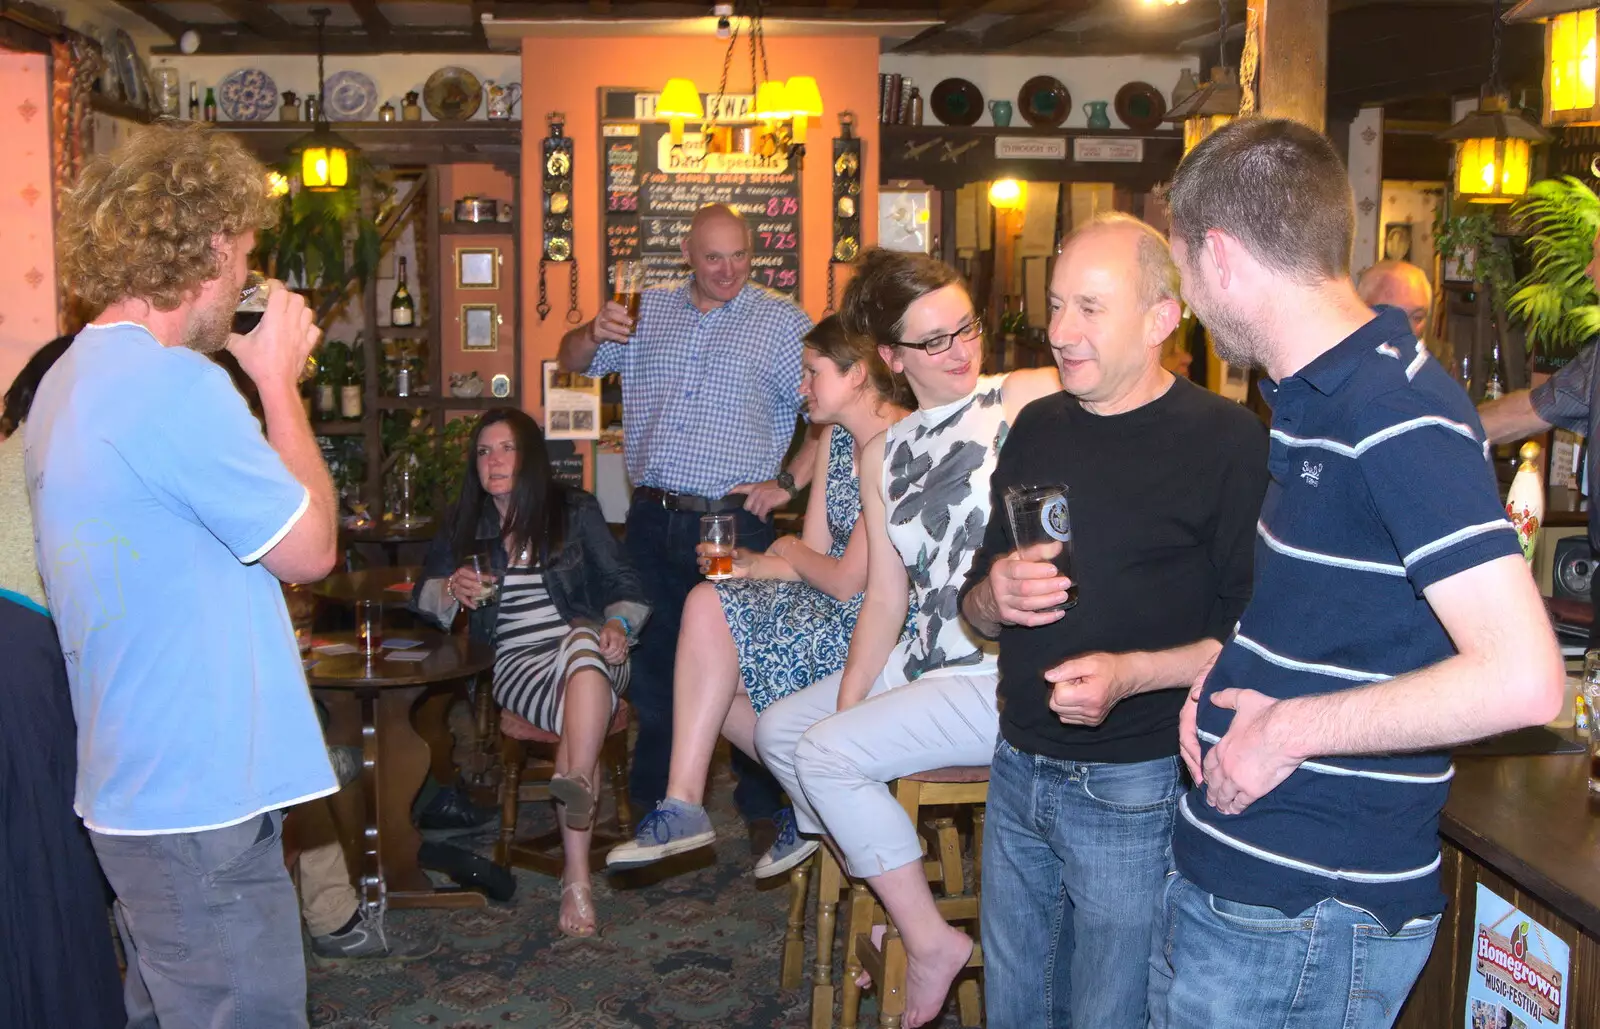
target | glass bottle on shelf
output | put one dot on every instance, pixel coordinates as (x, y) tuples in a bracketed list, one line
[(194, 101), (402, 377), (327, 392), (211, 104), (350, 388), (1492, 388), (402, 309)]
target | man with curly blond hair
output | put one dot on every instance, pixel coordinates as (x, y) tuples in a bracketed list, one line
[(164, 522)]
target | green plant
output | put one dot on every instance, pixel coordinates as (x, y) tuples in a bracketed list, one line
[(1470, 240), (439, 457), (1556, 301), (324, 240)]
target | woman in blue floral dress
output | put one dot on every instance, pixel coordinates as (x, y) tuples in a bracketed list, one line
[(785, 620)]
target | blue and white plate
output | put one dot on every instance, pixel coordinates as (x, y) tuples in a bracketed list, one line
[(349, 96), (248, 94)]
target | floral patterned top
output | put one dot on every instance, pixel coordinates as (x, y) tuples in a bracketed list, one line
[(936, 467)]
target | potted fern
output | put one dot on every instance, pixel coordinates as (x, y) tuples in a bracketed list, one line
[(1555, 301)]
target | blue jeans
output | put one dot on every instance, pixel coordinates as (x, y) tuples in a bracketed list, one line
[(661, 546), (211, 927), (1074, 855), (1219, 962)]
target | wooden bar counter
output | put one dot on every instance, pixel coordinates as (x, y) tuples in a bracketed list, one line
[(1527, 828)]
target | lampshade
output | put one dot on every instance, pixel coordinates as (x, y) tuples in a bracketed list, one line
[(1006, 194), (804, 97), (1571, 46), (324, 161), (1493, 152), (772, 101), (680, 99)]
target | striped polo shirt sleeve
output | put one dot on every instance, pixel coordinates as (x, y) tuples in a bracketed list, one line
[(1432, 487)]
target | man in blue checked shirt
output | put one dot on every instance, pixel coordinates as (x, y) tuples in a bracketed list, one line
[(1392, 617), (710, 379)]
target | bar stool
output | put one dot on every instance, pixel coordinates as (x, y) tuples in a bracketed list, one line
[(958, 786), (542, 853)]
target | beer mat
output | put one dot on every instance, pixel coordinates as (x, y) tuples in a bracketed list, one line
[(1523, 742), (399, 587), (334, 649), (395, 643), (408, 655)]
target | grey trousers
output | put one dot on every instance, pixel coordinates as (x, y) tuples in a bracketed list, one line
[(835, 765), (210, 926)]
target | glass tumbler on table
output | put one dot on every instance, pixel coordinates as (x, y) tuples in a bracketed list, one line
[(718, 536), (1591, 697), (369, 627), (1039, 514)]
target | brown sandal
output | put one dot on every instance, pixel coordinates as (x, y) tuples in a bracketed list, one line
[(577, 796)]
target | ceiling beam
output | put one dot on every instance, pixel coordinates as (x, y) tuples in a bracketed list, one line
[(154, 15), (669, 10), (345, 43), (941, 36), (258, 16), (480, 40), (373, 20), (1022, 28)]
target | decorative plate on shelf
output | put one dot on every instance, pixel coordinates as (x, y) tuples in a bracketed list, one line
[(248, 94), (1044, 102), (129, 71), (452, 94), (349, 96), (1140, 106), (956, 102)]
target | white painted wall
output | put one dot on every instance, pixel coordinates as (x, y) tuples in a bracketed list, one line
[(1000, 78), (393, 74)]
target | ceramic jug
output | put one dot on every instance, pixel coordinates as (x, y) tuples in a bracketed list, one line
[(1000, 111), (1096, 110), (500, 99)]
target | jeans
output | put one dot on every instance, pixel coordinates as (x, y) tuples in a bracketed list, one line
[(1074, 857), (661, 545), (1220, 962), (836, 764), (211, 927)]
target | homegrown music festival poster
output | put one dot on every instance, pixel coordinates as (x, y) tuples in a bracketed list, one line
[(1519, 972)]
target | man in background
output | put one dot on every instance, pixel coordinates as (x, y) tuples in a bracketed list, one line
[(164, 523), (1399, 284), (710, 381)]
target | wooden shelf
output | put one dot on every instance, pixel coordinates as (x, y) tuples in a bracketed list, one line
[(952, 156), (350, 428), (389, 332), (455, 228), (429, 403), (396, 143), (119, 109)]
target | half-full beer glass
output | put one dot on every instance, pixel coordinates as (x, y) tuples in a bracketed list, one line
[(628, 286), (717, 535)]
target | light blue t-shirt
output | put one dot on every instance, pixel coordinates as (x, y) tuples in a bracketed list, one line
[(154, 493)]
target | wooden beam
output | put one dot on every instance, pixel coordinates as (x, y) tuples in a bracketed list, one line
[(258, 16), (928, 39), (373, 20), (345, 43), (1021, 28), (155, 16), (1293, 76), (480, 39)]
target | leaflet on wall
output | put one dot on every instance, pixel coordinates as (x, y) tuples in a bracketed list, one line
[(1519, 972), (571, 404)]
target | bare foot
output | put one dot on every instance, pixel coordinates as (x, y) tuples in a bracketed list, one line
[(928, 976), (864, 980), (577, 910)]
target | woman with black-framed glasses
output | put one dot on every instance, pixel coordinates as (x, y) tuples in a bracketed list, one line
[(929, 701)]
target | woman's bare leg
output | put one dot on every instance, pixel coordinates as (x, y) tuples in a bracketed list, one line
[(706, 681)]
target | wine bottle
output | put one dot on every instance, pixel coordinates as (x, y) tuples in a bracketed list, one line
[(350, 389), (194, 101), (1492, 388), (402, 309), (327, 394), (211, 104)]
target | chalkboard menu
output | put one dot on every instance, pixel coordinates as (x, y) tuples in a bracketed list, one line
[(653, 189), (566, 464)]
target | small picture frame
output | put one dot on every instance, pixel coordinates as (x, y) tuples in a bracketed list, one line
[(478, 267), (480, 327)]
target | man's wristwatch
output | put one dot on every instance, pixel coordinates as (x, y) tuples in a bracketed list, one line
[(786, 481)]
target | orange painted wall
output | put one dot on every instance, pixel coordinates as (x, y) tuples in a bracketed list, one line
[(566, 75), (27, 226)]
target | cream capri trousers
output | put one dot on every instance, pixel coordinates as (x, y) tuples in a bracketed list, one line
[(835, 765)]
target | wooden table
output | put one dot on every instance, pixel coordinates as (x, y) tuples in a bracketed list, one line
[(391, 537), (373, 584), (395, 712)]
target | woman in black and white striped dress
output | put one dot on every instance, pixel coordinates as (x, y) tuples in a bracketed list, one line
[(562, 606)]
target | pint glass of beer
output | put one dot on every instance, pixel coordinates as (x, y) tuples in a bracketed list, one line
[(717, 533), (1039, 514), (369, 627), (628, 286)]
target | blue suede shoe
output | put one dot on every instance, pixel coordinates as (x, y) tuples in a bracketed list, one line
[(790, 850), (672, 828)]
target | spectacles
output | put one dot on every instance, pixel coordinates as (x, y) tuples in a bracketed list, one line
[(939, 344)]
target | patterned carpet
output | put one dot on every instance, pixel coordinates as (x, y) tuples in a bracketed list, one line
[(698, 948)]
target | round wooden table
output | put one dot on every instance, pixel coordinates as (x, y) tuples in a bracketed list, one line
[(379, 585), (390, 536), (395, 712)]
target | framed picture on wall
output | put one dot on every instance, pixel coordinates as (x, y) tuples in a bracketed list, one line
[(480, 327), (478, 267)]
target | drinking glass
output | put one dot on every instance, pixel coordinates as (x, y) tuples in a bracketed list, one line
[(628, 286), (1591, 698), (717, 531), (1039, 514), (483, 564), (369, 626), (252, 305)]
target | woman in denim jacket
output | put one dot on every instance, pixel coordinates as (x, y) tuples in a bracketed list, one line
[(559, 602)]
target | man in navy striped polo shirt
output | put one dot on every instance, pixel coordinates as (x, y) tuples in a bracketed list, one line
[(1392, 617)]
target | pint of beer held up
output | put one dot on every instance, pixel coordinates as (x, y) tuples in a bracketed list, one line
[(628, 286)]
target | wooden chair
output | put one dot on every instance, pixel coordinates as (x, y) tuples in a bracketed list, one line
[(886, 961), (542, 853)]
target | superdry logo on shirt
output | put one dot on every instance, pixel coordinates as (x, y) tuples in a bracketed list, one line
[(1312, 473)]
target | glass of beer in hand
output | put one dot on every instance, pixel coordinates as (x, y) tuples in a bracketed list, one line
[(716, 550), (628, 286)]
